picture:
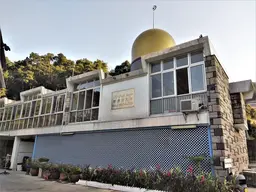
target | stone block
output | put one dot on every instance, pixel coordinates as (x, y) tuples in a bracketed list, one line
[(217, 153), (220, 146), (209, 75), (218, 132), (216, 139), (217, 121)]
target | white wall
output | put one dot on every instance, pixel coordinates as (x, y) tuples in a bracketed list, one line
[(141, 100), (25, 149)]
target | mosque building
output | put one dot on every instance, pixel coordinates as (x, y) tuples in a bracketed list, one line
[(175, 103)]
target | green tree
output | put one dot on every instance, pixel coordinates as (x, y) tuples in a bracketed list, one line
[(125, 67)]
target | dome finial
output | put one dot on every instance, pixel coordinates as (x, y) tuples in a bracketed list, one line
[(154, 8)]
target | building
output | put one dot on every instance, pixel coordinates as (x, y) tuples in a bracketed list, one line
[(174, 104)]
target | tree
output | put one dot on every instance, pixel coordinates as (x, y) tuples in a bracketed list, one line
[(47, 70), (125, 67)]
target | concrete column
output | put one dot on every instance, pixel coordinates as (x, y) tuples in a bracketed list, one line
[(15, 150)]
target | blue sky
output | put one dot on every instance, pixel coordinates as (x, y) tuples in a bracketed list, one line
[(101, 29)]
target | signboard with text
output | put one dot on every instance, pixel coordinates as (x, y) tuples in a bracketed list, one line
[(122, 99)]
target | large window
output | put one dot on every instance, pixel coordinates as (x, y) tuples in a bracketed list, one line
[(174, 77), (85, 105)]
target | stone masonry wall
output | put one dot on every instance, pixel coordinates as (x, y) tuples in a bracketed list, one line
[(226, 141)]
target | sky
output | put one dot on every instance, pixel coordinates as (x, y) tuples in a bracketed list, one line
[(101, 29)]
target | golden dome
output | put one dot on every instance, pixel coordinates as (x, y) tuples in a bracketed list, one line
[(150, 41)]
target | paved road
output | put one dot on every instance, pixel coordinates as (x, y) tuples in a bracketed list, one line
[(19, 182)]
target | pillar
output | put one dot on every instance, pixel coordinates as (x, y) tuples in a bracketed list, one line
[(15, 150)]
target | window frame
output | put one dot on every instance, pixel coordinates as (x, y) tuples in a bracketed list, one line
[(84, 107), (174, 69)]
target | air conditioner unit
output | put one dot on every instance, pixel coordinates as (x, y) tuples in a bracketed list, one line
[(190, 105)]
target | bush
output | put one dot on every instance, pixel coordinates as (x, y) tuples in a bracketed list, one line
[(43, 159)]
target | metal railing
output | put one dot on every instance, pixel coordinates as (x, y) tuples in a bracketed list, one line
[(172, 104)]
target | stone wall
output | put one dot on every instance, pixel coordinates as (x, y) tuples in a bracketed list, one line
[(226, 141), (239, 111)]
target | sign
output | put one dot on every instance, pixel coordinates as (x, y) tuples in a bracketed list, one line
[(122, 99), (228, 163)]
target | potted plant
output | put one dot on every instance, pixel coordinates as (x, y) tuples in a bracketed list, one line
[(43, 164), (34, 168), (54, 172), (73, 173), (63, 172)]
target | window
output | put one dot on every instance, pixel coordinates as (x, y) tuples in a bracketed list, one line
[(182, 61), (84, 106), (168, 83), (197, 78), (156, 85), (176, 78), (182, 81)]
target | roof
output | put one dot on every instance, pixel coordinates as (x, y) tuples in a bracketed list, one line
[(241, 86)]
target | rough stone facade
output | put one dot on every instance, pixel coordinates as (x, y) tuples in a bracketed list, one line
[(227, 142)]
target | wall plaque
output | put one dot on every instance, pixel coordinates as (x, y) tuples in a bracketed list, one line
[(122, 99)]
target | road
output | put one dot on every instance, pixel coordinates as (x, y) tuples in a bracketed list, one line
[(19, 182)]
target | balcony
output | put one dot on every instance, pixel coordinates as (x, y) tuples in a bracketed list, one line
[(172, 104)]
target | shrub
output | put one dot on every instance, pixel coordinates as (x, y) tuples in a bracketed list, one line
[(43, 159)]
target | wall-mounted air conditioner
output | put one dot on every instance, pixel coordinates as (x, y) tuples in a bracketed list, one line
[(190, 105)]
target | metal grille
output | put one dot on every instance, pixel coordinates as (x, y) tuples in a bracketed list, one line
[(137, 148)]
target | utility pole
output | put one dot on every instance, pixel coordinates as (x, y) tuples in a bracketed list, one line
[(154, 8)]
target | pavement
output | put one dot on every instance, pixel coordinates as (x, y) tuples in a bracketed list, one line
[(19, 182)]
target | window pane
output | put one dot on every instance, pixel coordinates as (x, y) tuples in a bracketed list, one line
[(156, 86), (156, 106), (168, 64), (74, 101), (168, 83), (182, 61), (43, 106), (35, 122), (155, 67), (11, 125), (54, 104), (88, 103), (37, 109), (81, 100), (21, 123), (30, 122), (1, 114), (197, 80), (87, 115), (197, 57), (79, 117), (41, 121), (52, 120), (59, 119), (14, 112), (7, 126), (46, 120), (17, 116), (72, 117), (16, 124), (96, 97), (95, 114), (25, 123), (33, 108), (61, 100), (49, 105), (182, 81)]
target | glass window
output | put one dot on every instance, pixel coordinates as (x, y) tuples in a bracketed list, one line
[(95, 113), (155, 67), (88, 103), (18, 112), (74, 101), (35, 122), (25, 123), (59, 119), (41, 121), (168, 64), (156, 86), (30, 123), (46, 120), (54, 104), (1, 114), (21, 123), (87, 115), (79, 117), (61, 100), (81, 100), (37, 108), (27, 109), (197, 78), (52, 120), (96, 97), (14, 112), (16, 124), (168, 83), (43, 105), (182, 61), (197, 57), (7, 125), (72, 117), (33, 108), (156, 106), (48, 105), (11, 127), (182, 81)]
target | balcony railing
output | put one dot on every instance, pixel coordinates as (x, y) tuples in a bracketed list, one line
[(172, 104)]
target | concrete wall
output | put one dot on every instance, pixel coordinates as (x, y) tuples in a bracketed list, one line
[(227, 142), (25, 149), (141, 99)]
